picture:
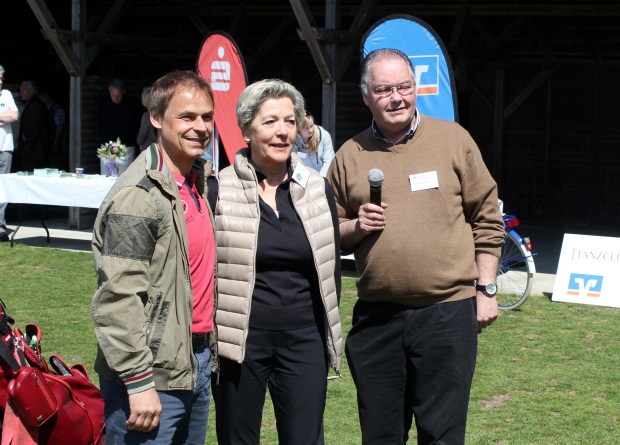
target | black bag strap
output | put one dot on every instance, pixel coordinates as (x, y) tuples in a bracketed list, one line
[(5, 351), (7, 356), (5, 320)]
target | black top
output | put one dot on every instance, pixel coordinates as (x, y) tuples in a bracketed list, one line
[(120, 120), (286, 291)]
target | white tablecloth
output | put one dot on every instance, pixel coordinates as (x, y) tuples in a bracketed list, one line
[(87, 191)]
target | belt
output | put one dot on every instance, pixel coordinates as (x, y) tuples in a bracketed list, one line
[(199, 340)]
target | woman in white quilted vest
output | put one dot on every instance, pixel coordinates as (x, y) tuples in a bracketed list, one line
[(278, 277)]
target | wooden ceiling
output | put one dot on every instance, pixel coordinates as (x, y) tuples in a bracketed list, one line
[(523, 68), (142, 39)]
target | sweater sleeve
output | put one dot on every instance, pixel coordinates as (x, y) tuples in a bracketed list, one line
[(336, 176), (480, 203), (123, 245)]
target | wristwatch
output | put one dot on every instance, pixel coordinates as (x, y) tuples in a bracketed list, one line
[(489, 289)]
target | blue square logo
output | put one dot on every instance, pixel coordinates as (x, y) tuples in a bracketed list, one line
[(427, 74), (583, 285)]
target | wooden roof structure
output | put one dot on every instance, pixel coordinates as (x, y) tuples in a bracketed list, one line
[(532, 75)]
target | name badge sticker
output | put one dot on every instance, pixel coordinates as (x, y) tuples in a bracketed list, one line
[(301, 154), (424, 181), (301, 175)]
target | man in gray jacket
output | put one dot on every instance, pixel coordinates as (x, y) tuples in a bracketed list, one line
[(154, 252)]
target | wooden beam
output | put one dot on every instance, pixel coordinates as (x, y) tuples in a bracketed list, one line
[(257, 9), (119, 39), (329, 98), (266, 45), (477, 92), (541, 40), (497, 45), (237, 15), (360, 22), (47, 22), (525, 93), (589, 42), (306, 23), (200, 25), (111, 19), (78, 20), (557, 65), (498, 128), (332, 36), (459, 27)]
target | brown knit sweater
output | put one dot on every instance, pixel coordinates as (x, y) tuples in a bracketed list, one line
[(425, 254)]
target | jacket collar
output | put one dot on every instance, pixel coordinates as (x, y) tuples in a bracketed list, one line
[(157, 168)]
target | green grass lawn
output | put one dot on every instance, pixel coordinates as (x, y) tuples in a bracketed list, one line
[(548, 373)]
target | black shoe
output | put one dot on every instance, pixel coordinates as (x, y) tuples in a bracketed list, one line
[(4, 237)]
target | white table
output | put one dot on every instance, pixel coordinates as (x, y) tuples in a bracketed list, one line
[(85, 191)]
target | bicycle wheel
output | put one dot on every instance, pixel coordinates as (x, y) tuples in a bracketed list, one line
[(515, 274)]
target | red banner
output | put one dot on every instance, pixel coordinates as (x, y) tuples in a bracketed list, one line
[(221, 64)]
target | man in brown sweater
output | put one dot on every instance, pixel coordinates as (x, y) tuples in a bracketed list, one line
[(412, 348)]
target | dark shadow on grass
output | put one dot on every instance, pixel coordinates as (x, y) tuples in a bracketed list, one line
[(55, 242)]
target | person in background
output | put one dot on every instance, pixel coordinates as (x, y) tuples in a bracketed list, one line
[(146, 134), (154, 251), (426, 256), (8, 115), (313, 145), (119, 115), (278, 277), (34, 147), (17, 98), (57, 132)]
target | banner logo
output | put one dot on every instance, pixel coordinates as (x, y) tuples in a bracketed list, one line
[(583, 285), (434, 78), (220, 63), (220, 72), (426, 74)]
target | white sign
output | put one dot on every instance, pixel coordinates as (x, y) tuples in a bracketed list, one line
[(588, 271)]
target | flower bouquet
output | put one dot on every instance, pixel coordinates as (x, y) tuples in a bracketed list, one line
[(112, 154)]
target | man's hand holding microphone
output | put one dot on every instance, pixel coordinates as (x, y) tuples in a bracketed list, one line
[(370, 217)]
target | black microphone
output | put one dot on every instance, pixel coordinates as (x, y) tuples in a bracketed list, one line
[(375, 179)]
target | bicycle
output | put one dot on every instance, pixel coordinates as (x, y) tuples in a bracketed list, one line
[(515, 274)]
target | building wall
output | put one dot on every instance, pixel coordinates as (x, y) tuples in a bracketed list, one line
[(560, 154)]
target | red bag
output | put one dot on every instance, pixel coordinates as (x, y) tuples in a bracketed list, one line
[(51, 407), (32, 397)]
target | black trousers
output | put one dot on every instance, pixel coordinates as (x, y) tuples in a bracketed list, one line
[(294, 363), (413, 363)]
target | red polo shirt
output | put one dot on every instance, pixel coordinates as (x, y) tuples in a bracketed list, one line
[(201, 245)]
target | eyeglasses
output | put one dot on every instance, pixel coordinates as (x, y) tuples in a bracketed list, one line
[(404, 89)]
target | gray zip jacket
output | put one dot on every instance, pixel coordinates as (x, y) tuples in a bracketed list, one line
[(321, 159), (237, 217), (142, 311)]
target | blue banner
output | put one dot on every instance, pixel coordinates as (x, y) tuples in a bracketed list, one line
[(434, 77)]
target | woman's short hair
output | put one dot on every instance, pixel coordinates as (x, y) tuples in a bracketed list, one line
[(378, 55), (257, 93), (166, 86)]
